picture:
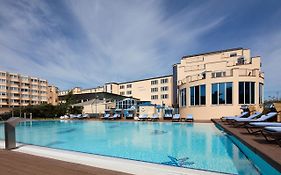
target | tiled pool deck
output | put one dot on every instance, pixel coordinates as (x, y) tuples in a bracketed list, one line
[(270, 152)]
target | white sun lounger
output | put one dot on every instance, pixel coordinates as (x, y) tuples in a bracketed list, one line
[(263, 118), (234, 117), (274, 133), (176, 117), (143, 117), (106, 116), (256, 127), (189, 118), (115, 116), (154, 117)]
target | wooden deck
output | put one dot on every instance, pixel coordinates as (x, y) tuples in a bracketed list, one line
[(15, 163), (271, 152)]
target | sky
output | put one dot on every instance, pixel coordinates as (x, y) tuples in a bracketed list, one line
[(88, 43)]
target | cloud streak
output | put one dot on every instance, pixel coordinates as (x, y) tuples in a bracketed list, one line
[(88, 43)]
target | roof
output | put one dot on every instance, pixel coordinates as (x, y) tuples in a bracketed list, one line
[(213, 52), (147, 79), (94, 95)]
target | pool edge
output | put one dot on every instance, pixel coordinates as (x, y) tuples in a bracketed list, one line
[(242, 144)]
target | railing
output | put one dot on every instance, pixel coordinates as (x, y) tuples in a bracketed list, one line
[(247, 72)]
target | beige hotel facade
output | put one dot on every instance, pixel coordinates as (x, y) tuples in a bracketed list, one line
[(207, 85)]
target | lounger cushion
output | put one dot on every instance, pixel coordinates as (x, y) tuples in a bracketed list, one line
[(264, 124), (273, 129)]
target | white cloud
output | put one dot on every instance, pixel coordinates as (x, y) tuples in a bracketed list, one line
[(116, 40)]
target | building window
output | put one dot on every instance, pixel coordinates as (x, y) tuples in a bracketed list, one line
[(154, 82), (183, 97), (164, 88), (154, 89), (165, 80), (218, 74), (260, 93), (198, 95), (164, 96), (222, 93), (129, 92), (122, 93), (129, 85), (246, 92), (122, 87), (202, 94), (154, 97), (191, 96)]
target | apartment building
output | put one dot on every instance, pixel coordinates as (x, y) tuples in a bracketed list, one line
[(20, 90), (215, 84), (52, 95)]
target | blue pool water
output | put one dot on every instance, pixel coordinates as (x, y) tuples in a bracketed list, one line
[(199, 145)]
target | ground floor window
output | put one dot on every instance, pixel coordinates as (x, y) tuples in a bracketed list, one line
[(246, 92), (260, 93), (222, 93), (183, 97), (198, 95)]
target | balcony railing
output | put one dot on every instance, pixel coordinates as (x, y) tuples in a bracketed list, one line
[(224, 73)]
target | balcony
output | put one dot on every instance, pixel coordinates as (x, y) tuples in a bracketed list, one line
[(247, 72), (223, 74)]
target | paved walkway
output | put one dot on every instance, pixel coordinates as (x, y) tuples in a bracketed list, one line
[(15, 163)]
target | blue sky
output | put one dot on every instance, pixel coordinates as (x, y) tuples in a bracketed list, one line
[(87, 43)]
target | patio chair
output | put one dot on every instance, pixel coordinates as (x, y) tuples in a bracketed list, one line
[(114, 117), (272, 134), (189, 118), (256, 127), (106, 116), (244, 114), (176, 118), (143, 117), (155, 117), (168, 116), (244, 121)]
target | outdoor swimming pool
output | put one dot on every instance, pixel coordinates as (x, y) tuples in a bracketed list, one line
[(198, 146)]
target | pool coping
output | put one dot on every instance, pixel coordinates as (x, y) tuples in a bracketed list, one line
[(255, 146), (104, 162)]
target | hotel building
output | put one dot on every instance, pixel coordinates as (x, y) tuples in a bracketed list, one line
[(19, 90), (207, 85), (158, 90), (215, 84)]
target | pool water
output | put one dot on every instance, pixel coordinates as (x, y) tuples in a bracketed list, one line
[(197, 145)]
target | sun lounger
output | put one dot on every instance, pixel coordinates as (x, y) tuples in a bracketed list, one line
[(256, 127), (114, 117), (244, 121), (85, 116), (155, 117), (129, 116), (272, 134), (143, 117), (244, 114), (176, 118), (189, 118), (168, 116), (106, 116)]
